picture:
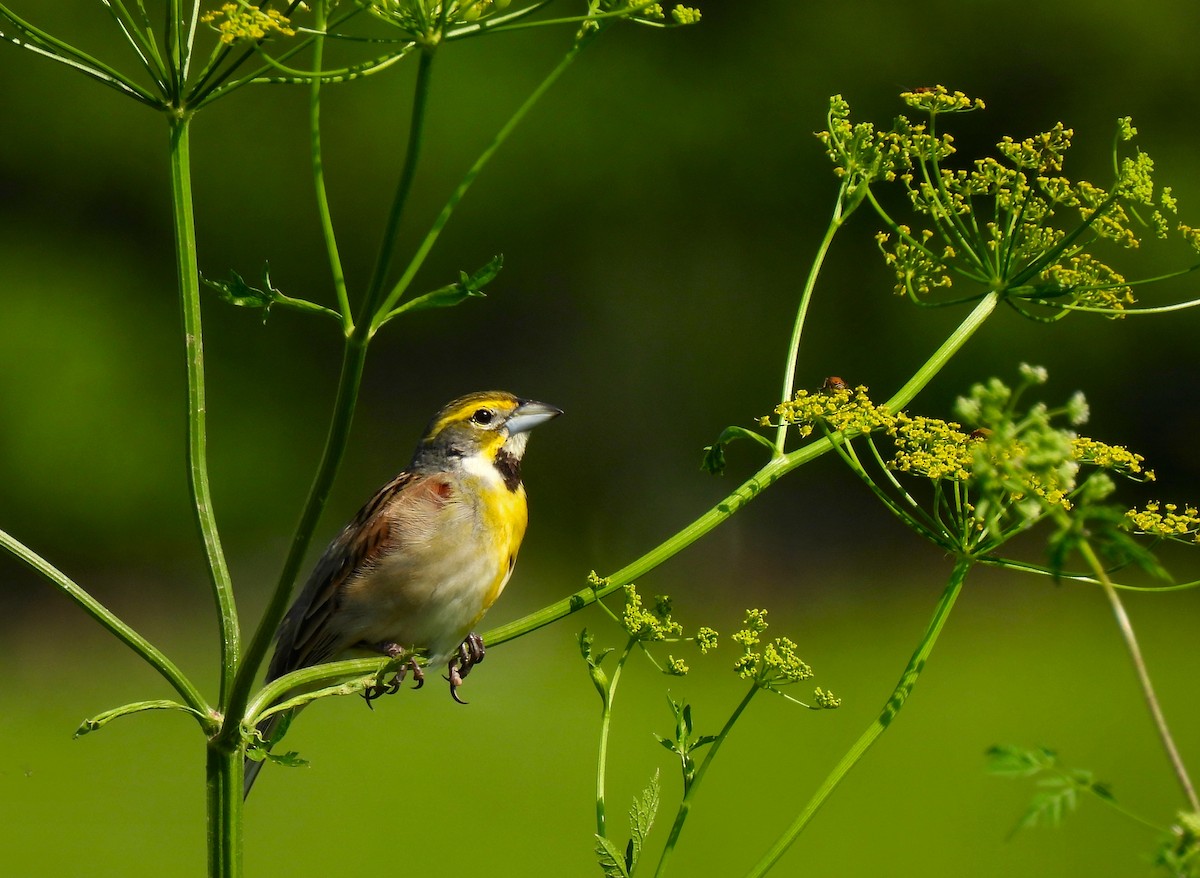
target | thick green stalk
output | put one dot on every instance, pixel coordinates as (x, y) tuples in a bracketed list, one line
[(900, 694), (223, 775), (685, 806), (747, 491), (197, 444)]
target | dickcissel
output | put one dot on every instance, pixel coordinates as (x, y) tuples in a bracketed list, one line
[(424, 559)]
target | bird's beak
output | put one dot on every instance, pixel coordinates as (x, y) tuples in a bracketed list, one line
[(528, 415)]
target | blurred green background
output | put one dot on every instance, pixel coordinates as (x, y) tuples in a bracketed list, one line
[(657, 213)]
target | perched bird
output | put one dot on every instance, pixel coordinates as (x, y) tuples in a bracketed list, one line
[(426, 557)]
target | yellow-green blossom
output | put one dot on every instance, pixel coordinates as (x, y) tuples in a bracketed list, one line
[(676, 667), (706, 639), (685, 14), (238, 22), (1111, 457), (648, 625), (931, 448), (1166, 520), (840, 408), (825, 699), (938, 99)]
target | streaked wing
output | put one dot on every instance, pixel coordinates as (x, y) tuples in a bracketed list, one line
[(306, 636)]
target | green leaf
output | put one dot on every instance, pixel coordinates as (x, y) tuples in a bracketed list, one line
[(103, 719), (599, 678), (641, 818), (237, 292), (468, 286), (612, 862), (1012, 761), (714, 455)]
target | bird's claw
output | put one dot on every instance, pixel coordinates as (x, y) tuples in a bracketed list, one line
[(392, 686), (470, 653)]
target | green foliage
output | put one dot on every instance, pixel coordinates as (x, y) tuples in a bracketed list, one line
[(1058, 787), (684, 743), (615, 864)]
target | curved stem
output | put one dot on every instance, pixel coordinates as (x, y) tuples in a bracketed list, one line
[(743, 494), (318, 172), (353, 361), (197, 443), (371, 306), (908, 679), (381, 314), (1143, 675), (685, 805), (602, 749), (789, 371), (139, 644)]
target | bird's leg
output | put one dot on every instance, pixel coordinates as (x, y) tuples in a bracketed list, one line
[(470, 653), (391, 687)]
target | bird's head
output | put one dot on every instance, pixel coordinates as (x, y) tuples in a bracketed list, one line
[(491, 426)]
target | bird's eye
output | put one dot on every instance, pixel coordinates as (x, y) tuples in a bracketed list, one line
[(483, 417)]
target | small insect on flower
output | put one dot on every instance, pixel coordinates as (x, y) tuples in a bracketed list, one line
[(833, 382)]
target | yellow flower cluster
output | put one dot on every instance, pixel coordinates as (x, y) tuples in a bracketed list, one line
[(937, 99), (1166, 520), (1112, 457), (648, 625), (842, 408), (245, 22)]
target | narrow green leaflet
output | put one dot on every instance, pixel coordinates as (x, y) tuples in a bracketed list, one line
[(236, 291), (468, 286), (103, 719)]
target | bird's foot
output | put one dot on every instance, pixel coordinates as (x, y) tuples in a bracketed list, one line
[(392, 686), (470, 653)]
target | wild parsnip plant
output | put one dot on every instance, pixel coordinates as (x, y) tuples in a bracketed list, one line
[(1015, 230), (1011, 229)]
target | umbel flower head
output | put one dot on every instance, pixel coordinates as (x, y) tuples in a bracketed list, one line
[(242, 21), (998, 469), (773, 664), (1012, 223)]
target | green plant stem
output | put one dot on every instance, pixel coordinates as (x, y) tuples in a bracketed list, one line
[(422, 252), (602, 749), (900, 694), (840, 214), (372, 309), (743, 494), (139, 644), (318, 172), (197, 443), (685, 805), (353, 361), (224, 779), (1125, 626), (354, 357)]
